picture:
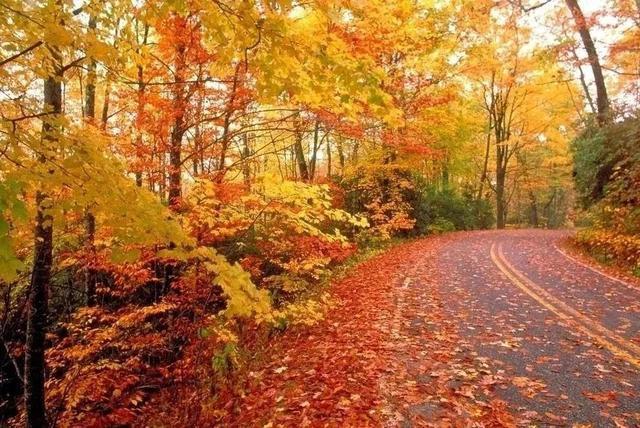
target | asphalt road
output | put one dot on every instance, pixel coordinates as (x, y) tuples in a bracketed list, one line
[(523, 329), (469, 329)]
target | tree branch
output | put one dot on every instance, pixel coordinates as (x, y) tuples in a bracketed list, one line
[(19, 54)]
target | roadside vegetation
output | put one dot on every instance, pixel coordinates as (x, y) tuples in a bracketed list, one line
[(607, 165)]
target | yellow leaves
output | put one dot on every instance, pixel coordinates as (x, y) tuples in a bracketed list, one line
[(307, 312), (58, 35), (98, 49), (244, 299), (13, 213), (141, 315), (611, 246), (121, 255)]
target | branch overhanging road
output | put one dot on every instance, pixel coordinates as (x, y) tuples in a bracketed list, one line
[(481, 329)]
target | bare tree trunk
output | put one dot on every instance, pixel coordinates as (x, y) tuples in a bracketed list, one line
[(533, 215), (175, 152), (246, 166), (501, 211), (197, 137), (583, 82), (445, 172), (501, 175), (341, 159), (354, 153), (485, 166), (105, 105), (602, 99)]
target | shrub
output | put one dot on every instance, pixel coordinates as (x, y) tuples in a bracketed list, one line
[(381, 193), (607, 171), (433, 206)]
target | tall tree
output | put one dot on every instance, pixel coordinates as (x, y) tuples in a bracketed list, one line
[(602, 98), (89, 217), (38, 301)]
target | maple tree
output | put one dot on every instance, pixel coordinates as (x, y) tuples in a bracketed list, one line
[(179, 179)]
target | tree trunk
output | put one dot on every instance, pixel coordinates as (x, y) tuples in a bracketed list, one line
[(89, 218), (105, 105), (175, 153), (175, 150), (329, 155), (314, 153), (501, 203), (445, 172), (246, 166), (533, 213), (341, 158), (38, 299), (602, 99), (140, 111), (583, 81), (299, 152), (485, 166)]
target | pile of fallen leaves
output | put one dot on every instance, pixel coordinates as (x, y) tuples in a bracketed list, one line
[(358, 367)]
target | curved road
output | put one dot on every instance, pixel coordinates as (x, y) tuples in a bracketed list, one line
[(522, 329), (468, 329)]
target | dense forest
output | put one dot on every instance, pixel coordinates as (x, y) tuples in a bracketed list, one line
[(181, 179)]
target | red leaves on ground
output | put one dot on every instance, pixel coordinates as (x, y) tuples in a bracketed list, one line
[(328, 374), (363, 365)]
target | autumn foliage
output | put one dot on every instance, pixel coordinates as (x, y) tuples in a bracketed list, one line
[(180, 181)]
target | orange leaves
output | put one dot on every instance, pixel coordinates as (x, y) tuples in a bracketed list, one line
[(324, 374), (609, 398), (613, 246), (382, 193), (529, 387)]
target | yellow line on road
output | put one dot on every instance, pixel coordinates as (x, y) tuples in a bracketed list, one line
[(604, 337)]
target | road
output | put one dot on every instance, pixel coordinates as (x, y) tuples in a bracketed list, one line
[(467, 329), (519, 333)]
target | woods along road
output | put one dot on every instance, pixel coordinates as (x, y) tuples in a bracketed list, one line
[(501, 328)]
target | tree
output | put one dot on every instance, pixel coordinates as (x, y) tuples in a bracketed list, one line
[(518, 90), (602, 99), (34, 370)]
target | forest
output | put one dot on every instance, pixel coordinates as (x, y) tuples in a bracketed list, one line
[(182, 181)]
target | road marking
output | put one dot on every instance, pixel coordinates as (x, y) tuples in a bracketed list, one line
[(596, 270), (617, 345)]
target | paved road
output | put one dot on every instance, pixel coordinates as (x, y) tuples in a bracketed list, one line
[(521, 330), (470, 329)]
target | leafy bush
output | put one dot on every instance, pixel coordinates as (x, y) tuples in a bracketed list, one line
[(441, 225), (433, 207), (611, 247), (382, 193), (397, 203), (285, 234), (607, 164), (607, 172)]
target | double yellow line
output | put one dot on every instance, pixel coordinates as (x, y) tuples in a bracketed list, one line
[(618, 346)]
